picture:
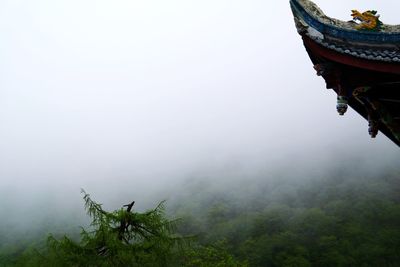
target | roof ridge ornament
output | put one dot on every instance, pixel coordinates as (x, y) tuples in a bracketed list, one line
[(368, 20)]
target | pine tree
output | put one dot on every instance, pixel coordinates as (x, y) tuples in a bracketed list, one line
[(119, 238)]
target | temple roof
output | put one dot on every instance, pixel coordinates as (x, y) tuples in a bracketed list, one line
[(377, 53), (361, 64), (309, 15), (344, 38), (315, 11)]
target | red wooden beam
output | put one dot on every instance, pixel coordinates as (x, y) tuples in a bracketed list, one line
[(350, 60)]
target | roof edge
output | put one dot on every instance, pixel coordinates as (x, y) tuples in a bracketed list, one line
[(312, 9)]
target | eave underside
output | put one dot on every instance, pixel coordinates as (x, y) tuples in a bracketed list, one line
[(371, 88)]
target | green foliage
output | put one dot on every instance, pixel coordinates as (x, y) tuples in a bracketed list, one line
[(216, 255), (118, 238), (336, 222), (125, 238)]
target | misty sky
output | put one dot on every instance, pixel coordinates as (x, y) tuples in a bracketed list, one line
[(105, 94)]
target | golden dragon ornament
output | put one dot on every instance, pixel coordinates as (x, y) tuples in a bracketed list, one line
[(368, 20)]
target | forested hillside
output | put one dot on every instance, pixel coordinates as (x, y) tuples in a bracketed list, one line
[(326, 221)]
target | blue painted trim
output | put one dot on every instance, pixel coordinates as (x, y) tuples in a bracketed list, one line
[(340, 33)]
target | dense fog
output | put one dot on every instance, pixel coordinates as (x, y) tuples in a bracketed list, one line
[(133, 100)]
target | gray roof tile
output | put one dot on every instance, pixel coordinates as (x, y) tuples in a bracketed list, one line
[(378, 54)]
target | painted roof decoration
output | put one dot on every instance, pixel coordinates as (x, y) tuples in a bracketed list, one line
[(359, 60), (313, 10), (369, 20)]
